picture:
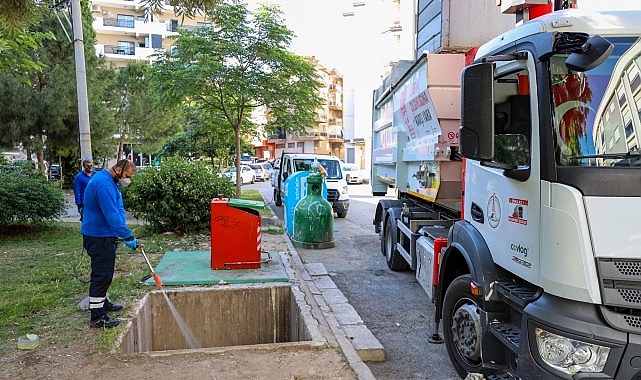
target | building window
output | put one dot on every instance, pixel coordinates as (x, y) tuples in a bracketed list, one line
[(621, 94), (125, 48), (126, 21), (634, 78)]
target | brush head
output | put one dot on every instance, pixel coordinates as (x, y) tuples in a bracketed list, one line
[(157, 280)]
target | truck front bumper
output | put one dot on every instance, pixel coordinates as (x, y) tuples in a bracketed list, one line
[(340, 206), (579, 322)]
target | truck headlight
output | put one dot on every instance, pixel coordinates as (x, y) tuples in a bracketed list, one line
[(570, 355)]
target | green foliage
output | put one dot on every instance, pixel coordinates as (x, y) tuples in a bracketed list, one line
[(25, 196), (141, 114), (239, 64), (176, 195)]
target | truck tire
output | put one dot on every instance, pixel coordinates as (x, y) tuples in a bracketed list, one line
[(462, 327), (277, 201), (395, 261), (341, 214)]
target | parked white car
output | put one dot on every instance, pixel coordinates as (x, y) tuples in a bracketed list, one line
[(247, 174), (262, 171), (352, 173)]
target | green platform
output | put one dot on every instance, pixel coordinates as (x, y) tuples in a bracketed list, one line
[(193, 268)]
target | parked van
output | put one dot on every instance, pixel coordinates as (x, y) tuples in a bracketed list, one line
[(337, 193)]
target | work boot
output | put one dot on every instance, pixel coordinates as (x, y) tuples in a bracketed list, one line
[(108, 306), (105, 322)]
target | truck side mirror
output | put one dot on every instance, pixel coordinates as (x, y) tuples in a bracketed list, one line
[(593, 52), (476, 137)]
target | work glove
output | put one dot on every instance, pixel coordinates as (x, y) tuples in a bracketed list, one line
[(131, 242)]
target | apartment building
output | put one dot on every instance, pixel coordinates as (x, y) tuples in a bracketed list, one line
[(326, 135), (126, 32)]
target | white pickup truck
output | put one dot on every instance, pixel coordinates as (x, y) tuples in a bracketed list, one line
[(290, 163)]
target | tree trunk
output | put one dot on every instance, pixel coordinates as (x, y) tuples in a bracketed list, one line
[(238, 180)]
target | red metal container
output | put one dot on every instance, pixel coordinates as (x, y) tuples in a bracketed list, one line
[(235, 234)]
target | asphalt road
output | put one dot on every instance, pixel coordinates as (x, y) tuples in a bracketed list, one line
[(392, 304)]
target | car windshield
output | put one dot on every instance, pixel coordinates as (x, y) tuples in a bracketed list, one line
[(331, 166), (255, 167), (350, 168), (597, 114)]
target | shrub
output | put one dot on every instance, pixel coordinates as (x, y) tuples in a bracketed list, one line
[(26, 196), (176, 195)]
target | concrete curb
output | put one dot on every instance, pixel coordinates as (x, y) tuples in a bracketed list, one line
[(311, 285)]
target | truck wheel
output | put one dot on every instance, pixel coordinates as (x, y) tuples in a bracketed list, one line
[(342, 214), (395, 261), (462, 327), (277, 201)]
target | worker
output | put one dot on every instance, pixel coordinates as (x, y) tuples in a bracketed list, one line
[(104, 221), (80, 183)]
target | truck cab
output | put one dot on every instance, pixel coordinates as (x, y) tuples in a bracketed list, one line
[(337, 194), (550, 130)]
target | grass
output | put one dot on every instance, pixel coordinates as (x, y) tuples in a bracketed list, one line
[(255, 195), (41, 267), (39, 292)]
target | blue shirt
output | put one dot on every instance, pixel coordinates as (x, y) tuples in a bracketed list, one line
[(104, 213), (79, 185)]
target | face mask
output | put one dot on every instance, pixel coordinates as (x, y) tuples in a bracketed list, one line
[(124, 182), (89, 169)]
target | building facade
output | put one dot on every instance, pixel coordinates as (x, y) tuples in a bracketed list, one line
[(326, 135), (126, 32)]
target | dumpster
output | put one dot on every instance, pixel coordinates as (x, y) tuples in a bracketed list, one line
[(235, 233)]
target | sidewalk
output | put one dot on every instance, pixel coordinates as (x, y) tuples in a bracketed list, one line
[(72, 214)]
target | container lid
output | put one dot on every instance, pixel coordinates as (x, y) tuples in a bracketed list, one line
[(256, 205)]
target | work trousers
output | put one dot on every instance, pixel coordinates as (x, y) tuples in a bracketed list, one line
[(102, 251)]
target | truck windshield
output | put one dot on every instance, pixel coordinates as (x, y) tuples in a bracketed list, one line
[(597, 114)]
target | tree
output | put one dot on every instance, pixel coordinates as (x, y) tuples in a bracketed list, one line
[(140, 114), (16, 42), (43, 111), (238, 64)]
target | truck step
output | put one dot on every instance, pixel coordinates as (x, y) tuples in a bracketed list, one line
[(501, 376), (509, 335), (520, 294)]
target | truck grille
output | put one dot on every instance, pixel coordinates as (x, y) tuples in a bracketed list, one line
[(332, 195), (620, 281)]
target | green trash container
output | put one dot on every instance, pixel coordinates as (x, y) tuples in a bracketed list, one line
[(313, 217)]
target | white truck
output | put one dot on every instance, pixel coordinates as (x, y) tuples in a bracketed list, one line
[(289, 163), (526, 232)]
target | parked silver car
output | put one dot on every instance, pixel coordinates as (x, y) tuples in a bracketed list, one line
[(262, 171)]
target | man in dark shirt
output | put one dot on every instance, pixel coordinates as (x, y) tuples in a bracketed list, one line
[(80, 183)]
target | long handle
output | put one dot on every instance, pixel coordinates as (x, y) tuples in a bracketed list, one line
[(153, 272)]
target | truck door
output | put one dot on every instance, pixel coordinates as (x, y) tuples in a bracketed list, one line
[(502, 194)]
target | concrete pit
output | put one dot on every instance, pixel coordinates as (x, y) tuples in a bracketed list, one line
[(230, 315)]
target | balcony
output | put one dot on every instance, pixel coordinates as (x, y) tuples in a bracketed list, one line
[(119, 23), (336, 121), (111, 25), (335, 106), (114, 52), (335, 87), (336, 134), (311, 136)]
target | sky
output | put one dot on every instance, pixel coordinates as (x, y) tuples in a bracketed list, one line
[(321, 31)]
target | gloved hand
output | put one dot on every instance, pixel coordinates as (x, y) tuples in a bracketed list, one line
[(79, 208), (132, 243)]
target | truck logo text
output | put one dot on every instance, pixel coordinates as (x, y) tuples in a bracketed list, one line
[(519, 248)]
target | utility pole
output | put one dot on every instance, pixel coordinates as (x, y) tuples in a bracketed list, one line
[(81, 80)]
